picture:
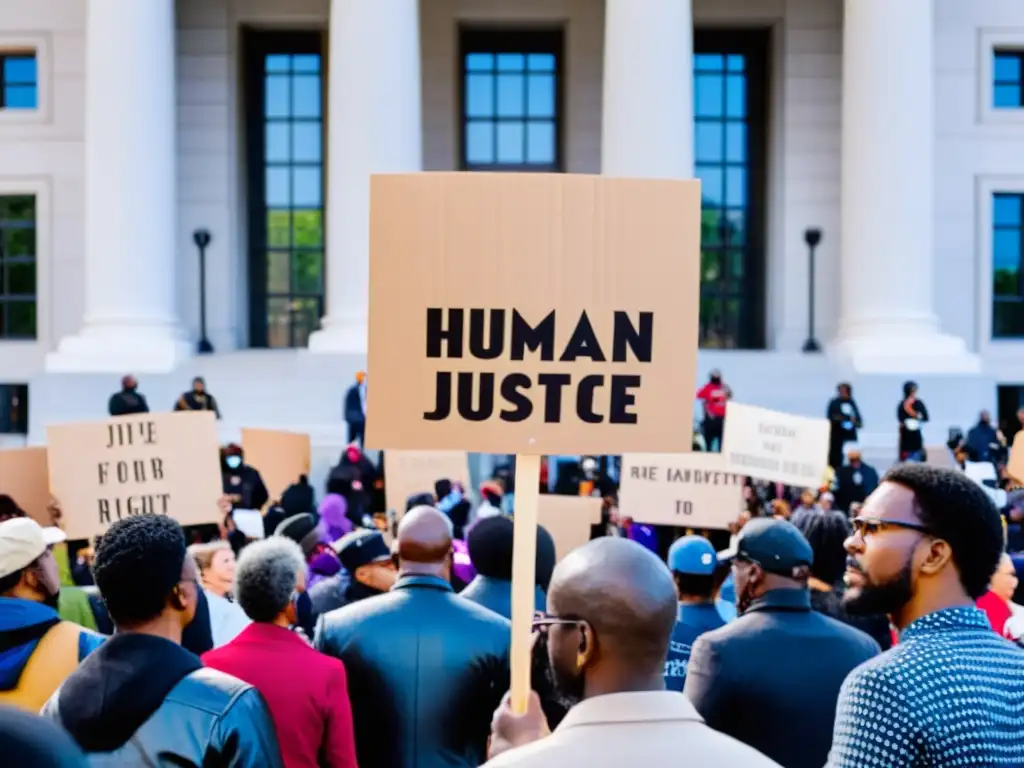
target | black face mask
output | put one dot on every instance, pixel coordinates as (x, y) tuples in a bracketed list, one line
[(716, 380)]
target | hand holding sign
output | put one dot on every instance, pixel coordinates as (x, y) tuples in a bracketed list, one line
[(694, 490)]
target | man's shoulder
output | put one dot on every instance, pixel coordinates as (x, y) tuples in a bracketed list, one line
[(705, 745), (209, 690), (856, 640)]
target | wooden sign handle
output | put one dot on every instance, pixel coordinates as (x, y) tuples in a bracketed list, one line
[(524, 562)]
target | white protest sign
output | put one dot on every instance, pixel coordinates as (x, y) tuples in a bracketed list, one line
[(694, 490), (775, 446)]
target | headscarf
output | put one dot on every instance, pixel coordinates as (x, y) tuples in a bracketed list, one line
[(333, 517)]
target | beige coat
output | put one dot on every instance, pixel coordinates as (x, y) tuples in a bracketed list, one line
[(621, 730)]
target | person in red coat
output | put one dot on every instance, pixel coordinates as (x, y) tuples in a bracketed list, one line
[(307, 692)]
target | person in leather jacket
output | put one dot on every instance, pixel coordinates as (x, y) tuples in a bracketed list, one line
[(142, 699), (426, 668)]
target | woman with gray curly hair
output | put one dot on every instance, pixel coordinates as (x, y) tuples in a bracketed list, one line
[(306, 691)]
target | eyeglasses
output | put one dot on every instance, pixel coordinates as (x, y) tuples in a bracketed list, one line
[(871, 525), (541, 622)]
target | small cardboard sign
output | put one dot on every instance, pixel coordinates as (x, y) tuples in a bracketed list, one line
[(532, 313), (410, 472), (1015, 465), (693, 490), (24, 477), (939, 456), (775, 446), (280, 457), (153, 463), (568, 519)]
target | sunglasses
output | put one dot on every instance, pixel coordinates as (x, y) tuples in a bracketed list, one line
[(542, 622), (870, 525)]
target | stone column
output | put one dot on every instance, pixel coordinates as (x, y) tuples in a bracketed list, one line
[(647, 128), (887, 322), (374, 126), (131, 204)]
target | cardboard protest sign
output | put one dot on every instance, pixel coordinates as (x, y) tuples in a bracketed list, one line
[(693, 490), (25, 478), (939, 456), (568, 519), (528, 313), (410, 472), (1015, 465), (153, 463), (280, 457), (770, 445)]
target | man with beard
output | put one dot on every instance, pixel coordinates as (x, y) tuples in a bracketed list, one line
[(949, 694), (771, 677), (611, 611), (197, 399), (37, 650), (129, 400), (425, 668)]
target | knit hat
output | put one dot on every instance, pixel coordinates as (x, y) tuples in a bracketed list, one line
[(490, 549), (302, 529)]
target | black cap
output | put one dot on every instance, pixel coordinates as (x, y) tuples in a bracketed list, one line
[(301, 529), (360, 548), (776, 545)]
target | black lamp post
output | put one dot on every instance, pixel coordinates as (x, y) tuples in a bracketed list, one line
[(201, 237), (812, 237)]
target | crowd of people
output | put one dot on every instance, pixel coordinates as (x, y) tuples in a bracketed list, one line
[(871, 621)]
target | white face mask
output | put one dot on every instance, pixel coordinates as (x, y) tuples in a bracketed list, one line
[(233, 462)]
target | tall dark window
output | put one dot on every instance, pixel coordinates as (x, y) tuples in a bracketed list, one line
[(1007, 79), (729, 133), (1007, 252), (511, 100), (19, 81), (17, 267), (284, 106)]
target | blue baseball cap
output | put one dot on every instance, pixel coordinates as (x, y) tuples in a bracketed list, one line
[(693, 555)]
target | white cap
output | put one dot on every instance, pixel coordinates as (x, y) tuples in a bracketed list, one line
[(22, 540)]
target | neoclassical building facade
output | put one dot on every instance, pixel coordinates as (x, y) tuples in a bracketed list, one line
[(893, 130)]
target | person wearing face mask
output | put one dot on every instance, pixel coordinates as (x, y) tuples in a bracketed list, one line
[(306, 691), (353, 478), (129, 400), (771, 677), (611, 611), (243, 484), (37, 650)]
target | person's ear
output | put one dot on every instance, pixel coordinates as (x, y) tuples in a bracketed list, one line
[(587, 647), (936, 556), (179, 600)]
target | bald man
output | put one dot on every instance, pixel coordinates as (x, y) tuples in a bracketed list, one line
[(611, 610), (425, 668)]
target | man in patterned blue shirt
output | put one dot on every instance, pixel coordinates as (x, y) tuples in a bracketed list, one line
[(951, 693)]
